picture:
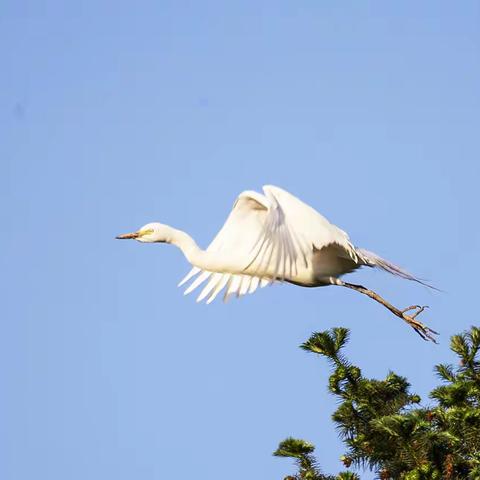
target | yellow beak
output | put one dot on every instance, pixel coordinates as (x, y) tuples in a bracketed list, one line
[(125, 236)]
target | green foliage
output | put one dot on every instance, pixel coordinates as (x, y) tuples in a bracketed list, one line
[(292, 447), (301, 451), (383, 425)]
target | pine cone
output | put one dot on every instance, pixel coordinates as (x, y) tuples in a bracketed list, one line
[(384, 474)]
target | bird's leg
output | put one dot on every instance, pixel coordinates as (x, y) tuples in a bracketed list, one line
[(425, 332)]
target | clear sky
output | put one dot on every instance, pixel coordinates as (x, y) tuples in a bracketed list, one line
[(114, 114)]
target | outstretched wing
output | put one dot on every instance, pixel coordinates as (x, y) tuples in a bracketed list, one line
[(268, 237), (250, 236), (305, 222)]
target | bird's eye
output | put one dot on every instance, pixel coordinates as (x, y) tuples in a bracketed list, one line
[(148, 231)]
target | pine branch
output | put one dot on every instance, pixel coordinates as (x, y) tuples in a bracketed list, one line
[(385, 429)]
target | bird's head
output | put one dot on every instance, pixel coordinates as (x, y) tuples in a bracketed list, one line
[(150, 233)]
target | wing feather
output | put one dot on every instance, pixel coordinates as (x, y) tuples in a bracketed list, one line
[(220, 286), (212, 283), (232, 287), (198, 281), (245, 285), (253, 284), (189, 275), (266, 238)]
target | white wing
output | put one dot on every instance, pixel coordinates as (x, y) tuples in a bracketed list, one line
[(267, 237), (307, 223)]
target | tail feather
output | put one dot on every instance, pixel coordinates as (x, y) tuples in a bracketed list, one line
[(373, 260)]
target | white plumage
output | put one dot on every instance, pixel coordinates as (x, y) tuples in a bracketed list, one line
[(269, 238), (272, 237)]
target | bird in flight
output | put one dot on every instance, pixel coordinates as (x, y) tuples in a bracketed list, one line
[(276, 237)]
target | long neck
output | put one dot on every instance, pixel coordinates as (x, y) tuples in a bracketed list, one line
[(203, 259), (193, 253)]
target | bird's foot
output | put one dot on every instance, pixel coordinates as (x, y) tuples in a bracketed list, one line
[(425, 332)]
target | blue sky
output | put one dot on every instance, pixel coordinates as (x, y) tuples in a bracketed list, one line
[(114, 114)]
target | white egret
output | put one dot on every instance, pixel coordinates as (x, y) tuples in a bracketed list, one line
[(276, 237)]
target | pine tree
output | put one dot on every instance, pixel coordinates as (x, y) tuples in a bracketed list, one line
[(383, 425)]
